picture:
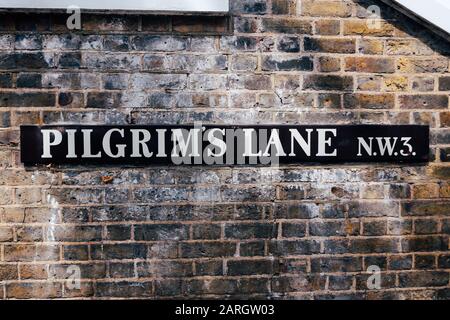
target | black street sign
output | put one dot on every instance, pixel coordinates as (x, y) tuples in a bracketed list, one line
[(223, 145)]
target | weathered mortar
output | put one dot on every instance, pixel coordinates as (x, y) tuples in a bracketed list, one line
[(306, 232)]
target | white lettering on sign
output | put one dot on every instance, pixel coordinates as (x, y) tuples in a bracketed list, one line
[(221, 6), (188, 143), (326, 142), (48, 142), (384, 146)]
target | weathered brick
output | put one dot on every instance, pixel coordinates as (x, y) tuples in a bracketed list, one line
[(425, 208), (444, 261), (34, 290), (156, 23), (329, 64), (164, 269), (6, 234), (426, 226), (168, 287), (252, 249), (328, 27), (373, 209), (330, 228), (407, 47), (330, 100), (399, 227), (206, 231), (118, 23), (286, 25), (400, 262), (124, 289), (292, 193), (209, 268), (370, 65), (379, 261), (328, 82), (395, 83), (422, 65), (122, 270), (246, 24), (336, 264), (370, 46), (207, 249), (293, 230), (239, 43), (119, 251), (329, 45), (425, 191), (441, 172), (295, 247), (76, 252), (33, 271), (159, 43), (8, 272), (284, 6), (340, 282), (161, 232), (6, 80), (424, 101), (302, 283), (29, 80), (110, 61), (289, 44), (423, 84), (251, 231), (199, 24), (74, 234), (326, 8), (244, 63), (249, 6), (444, 84), (399, 191), (423, 279), (212, 287), (425, 243), (369, 101), (361, 27), (281, 63), (425, 262), (373, 245), (160, 194), (249, 267), (29, 234), (247, 195), (28, 99), (29, 252), (24, 61), (445, 154), (374, 228)]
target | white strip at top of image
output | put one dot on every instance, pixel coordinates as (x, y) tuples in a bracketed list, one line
[(125, 5), (435, 11)]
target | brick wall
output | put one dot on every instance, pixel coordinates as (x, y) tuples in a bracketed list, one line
[(307, 232)]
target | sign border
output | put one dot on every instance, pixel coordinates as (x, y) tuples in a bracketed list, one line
[(422, 157)]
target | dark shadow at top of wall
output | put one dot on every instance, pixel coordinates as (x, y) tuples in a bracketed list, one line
[(56, 22)]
